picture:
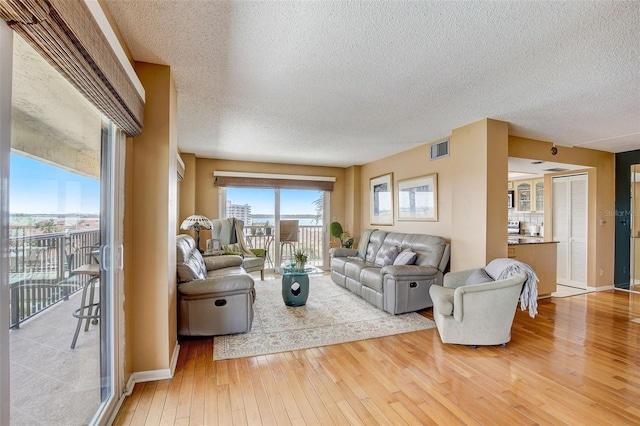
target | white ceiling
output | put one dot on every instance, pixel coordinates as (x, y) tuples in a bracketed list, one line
[(525, 168), (343, 82)]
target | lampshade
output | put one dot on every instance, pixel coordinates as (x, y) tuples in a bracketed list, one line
[(196, 221)]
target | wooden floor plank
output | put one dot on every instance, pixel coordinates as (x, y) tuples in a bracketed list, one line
[(144, 404), (577, 362), (128, 408)]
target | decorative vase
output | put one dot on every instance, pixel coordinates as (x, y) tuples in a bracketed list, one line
[(300, 266)]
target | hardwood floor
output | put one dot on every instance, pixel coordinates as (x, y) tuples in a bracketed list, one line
[(576, 363)]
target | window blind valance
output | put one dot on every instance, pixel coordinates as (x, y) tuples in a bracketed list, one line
[(258, 180), (68, 37)]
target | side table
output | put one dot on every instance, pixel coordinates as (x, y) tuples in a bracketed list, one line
[(295, 285)]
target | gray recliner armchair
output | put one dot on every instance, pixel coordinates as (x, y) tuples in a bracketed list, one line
[(477, 306), (215, 294), (229, 232)]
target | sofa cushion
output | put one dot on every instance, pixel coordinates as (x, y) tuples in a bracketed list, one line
[(229, 271), (338, 264), (219, 285), (429, 249), (479, 276), (219, 262), (189, 262), (352, 269), (372, 278), (386, 255), (406, 257), (376, 240)]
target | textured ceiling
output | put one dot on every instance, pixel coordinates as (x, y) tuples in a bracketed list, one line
[(342, 83)]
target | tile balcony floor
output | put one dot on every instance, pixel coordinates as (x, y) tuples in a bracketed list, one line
[(52, 384)]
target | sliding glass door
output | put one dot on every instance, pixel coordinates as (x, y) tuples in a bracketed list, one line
[(281, 221), (61, 258)]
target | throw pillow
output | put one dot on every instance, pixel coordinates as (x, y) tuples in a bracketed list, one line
[(479, 276), (406, 257), (387, 256)]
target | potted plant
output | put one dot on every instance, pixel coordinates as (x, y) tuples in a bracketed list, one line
[(346, 240), (301, 259)]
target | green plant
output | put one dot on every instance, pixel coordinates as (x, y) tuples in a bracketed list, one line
[(336, 231), (300, 257)]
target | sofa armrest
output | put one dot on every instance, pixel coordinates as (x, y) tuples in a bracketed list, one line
[(409, 270), (219, 262), (442, 298), (259, 252), (343, 252), (458, 278), (218, 286)]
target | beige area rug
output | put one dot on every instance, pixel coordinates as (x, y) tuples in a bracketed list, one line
[(332, 315)]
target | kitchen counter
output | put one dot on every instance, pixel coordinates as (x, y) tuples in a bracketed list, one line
[(542, 257), (528, 240)]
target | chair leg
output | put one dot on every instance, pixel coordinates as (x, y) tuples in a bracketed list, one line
[(474, 347), (504, 345), (262, 274)]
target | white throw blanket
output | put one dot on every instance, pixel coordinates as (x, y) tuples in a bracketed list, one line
[(529, 294), (241, 245)]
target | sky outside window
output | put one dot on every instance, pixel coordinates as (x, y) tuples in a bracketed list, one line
[(292, 201), (39, 188)]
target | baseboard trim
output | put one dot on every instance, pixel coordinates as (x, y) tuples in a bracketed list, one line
[(602, 288), (152, 375)]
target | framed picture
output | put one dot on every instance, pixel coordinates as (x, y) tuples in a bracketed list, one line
[(213, 244), (510, 199), (381, 204), (418, 198)]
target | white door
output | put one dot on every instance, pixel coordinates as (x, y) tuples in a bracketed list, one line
[(570, 228)]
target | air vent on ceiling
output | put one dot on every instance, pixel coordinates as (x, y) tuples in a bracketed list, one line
[(440, 149), (556, 169)]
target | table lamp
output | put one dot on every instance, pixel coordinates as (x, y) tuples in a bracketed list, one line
[(197, 222)]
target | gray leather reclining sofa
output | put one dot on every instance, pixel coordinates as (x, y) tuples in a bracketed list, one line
[(215, 293), (370, 273)]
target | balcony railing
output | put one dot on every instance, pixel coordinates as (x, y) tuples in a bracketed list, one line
[(40, 270), (310, 241)]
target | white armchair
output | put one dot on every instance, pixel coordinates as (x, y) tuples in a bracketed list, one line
[(479, 313)]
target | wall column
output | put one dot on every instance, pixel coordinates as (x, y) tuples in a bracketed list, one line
[(151, 183), (479, 193), (352, 196)]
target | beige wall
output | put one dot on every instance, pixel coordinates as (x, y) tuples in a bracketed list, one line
[(352, 196), (150, 223), (601, 190), (187, 194), (479, 232), (405, 165), (206, 195), (471, 185)]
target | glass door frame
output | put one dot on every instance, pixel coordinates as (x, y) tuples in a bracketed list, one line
[(326, 205), (111, 255), (6, 69)]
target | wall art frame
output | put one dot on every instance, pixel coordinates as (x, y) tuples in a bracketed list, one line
[(418, 198), (381, 200)]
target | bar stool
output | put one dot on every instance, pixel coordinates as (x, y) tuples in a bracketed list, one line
[(86, 310)]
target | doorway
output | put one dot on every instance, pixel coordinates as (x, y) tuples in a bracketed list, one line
[(570, 219)]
